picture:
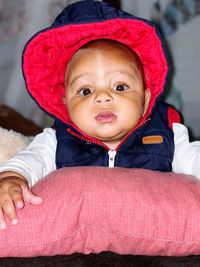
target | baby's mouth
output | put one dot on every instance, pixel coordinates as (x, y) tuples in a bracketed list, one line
[(105, 116)]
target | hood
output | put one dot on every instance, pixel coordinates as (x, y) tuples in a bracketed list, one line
[(47, 53)]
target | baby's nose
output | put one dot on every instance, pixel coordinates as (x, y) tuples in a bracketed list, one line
[(103, 97)]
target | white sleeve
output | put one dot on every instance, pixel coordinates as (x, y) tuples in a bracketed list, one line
[(187, 154), (37, 160)]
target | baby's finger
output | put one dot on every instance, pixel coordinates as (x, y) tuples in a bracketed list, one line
[(9, 209), (30, 197), (2, 220), (16, 195)]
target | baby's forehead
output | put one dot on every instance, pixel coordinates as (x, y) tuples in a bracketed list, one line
[(109, 47), (104, 45)]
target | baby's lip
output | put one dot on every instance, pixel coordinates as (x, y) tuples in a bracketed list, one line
[(105, 116)]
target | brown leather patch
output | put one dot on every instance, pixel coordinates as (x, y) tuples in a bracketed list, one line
[(154, 139)]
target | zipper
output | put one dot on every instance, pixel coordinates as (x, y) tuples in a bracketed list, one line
[(129, 133), (111, 153), (87, 139)]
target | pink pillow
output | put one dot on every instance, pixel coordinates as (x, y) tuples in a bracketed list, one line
[(94, 209)]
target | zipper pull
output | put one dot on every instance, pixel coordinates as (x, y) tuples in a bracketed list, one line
[(111, 154)]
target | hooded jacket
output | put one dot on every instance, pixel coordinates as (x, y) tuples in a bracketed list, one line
[(150, 144)]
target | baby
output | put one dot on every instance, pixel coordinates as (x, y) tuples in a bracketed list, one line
[(105, 93), (109, 112)]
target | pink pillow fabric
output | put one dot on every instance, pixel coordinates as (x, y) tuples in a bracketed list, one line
[(95, 209)]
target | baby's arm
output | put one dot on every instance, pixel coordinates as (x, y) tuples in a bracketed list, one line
[(187, 154), (37, 160), (22, 171)]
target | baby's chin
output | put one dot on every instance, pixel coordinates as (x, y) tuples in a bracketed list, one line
[(108, 137), (110, 141)]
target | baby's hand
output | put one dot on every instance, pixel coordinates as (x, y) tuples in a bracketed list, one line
[(14, 192)]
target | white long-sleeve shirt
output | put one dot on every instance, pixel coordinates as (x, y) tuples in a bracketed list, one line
[(38, 159)]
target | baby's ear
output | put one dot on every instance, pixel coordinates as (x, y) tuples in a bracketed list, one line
[(64, 100), (147, 97)]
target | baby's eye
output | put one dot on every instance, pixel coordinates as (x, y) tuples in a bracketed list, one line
[(85, 91), (120, 87)]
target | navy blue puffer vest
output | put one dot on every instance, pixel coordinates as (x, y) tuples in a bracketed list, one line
[(135, 152)]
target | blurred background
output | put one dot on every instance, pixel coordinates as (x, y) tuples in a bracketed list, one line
[(178, 20)]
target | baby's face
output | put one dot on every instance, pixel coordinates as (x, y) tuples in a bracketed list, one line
[(105, 93)]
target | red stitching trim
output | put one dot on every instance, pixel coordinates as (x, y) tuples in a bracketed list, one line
[(101, 144)]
